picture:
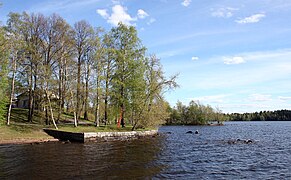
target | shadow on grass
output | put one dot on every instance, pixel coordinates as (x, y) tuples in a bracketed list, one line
[(19, 122), (19, 115)]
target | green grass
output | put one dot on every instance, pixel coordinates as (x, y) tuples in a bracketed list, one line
[(110, 128), (19, 115), (21, 130)]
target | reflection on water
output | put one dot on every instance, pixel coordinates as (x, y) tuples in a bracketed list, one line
[(173, 155), (128, 159)]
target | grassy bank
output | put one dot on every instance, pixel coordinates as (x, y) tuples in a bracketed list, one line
[(21, 131), (17, 133), (110, 128)]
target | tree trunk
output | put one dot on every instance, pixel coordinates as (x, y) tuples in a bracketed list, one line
[(122, 116), (75, 114), (51, 110), (105, 110), (87, 92), (12, 91), (97, 123), (60, 102), (122, 107), (47, 122), (65, 85), (36, 100), (106, 97), (97, 113), (30, 104), (78, 88)]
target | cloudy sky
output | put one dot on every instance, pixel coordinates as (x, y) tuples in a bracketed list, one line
[(235, 55)]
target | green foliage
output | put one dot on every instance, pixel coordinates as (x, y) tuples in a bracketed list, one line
[(109, 76), (154, 109), (137, 82), (128, 54), (194, 114), (3, 75)]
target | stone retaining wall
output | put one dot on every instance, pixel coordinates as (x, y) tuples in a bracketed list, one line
[(95, 136), (98, 136)]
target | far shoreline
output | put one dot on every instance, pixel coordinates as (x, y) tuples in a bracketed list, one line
[(214, 124)]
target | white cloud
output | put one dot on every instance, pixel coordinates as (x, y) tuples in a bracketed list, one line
[(260, 97), (226, 12), (169, 53), (251, 19), (212, 99), (119, 14), (233, 60), (186, 3), (194, 58), (245, 107), (103, 13), (263, 67), (266, 73), (284, 98), (279, 55), (181, 37), (141, 14), (152, 20)]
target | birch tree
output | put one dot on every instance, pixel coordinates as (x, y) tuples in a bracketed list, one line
[(31, 30), (83, 32), (15, 48), (107, 70)]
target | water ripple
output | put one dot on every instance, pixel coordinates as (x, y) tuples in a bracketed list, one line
[(175, 155)]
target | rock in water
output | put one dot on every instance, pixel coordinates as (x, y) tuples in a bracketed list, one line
[(248, 141)]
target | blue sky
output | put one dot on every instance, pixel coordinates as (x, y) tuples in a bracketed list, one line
[(235, 55)]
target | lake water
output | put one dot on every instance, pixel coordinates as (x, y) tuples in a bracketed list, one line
[(211, 154)]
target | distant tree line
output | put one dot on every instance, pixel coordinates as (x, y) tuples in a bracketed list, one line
[(106, 76), (194, 114), (198, 114), (279, 115)]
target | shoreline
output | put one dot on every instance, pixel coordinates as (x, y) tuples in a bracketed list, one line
[(26, 141), (214, 124), (91, 136), (84, 137)]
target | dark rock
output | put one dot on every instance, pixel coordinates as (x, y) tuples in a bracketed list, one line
[(240, 141), (248, 141), (189, 132), (231, 141), (196, 132)]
